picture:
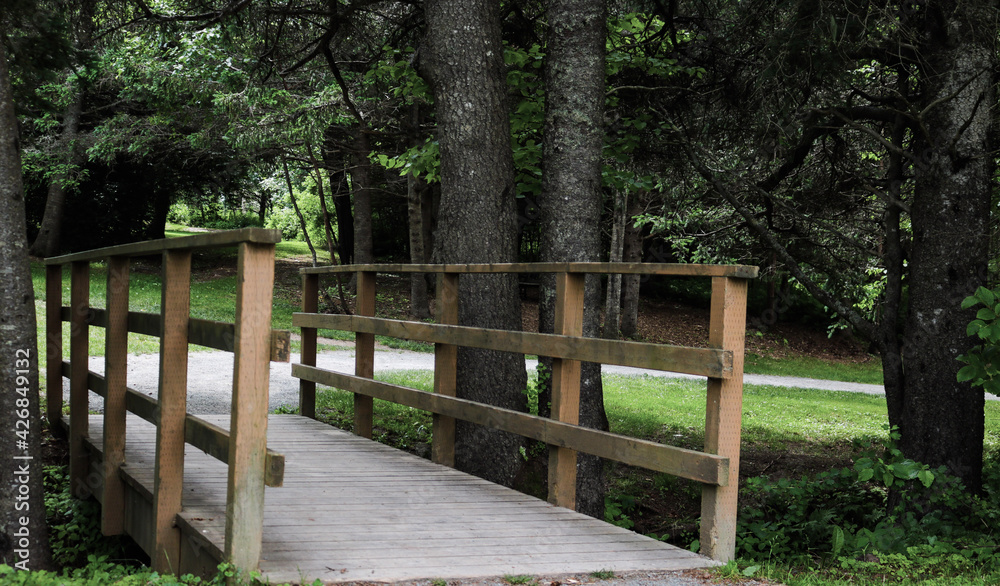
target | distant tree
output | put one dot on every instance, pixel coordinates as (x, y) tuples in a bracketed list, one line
[(70, 153), (477, 222)]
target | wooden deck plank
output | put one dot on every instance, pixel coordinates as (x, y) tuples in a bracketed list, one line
[(352, 509)]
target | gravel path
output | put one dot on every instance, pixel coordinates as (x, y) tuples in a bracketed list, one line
[(210, 376)]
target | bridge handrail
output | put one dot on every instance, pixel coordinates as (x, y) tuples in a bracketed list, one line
[(722, 362), (243, 448)]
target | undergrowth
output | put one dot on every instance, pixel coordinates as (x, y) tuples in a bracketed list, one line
[(884, 519), (87, 558)]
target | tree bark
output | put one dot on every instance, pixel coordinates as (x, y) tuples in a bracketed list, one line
[(632, 253), (613, 297), (156, 229), (942, 421), (345, 216), (24, 542), (416, 190), (477, 220), (571, 199), (361, 190)]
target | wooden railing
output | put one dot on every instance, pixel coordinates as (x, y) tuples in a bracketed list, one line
[(250, 338), (717, 468)]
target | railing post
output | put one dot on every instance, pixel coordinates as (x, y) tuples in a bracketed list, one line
[(310, 304), (168, 479), (566, 388), (445, 370), (115, 371), (54, 352), (248, 422), (723, 416), (364, 354), (79, 404)]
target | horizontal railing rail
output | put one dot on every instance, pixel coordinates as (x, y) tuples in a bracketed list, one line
[(217, 335), (598, 268), (192, 243), (243, 448), (716, 467), (697, 361), (207, 437), (691, 464)]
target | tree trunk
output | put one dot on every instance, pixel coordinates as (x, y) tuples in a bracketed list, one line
[(361, 189), (345, 217), (571, 200), (613, 297), (48, 241), (156, 229), (298, 212), (419, 300), (24, 542), (416, 190), (942, 421), (339, 193), (477, 220), (632, 253)]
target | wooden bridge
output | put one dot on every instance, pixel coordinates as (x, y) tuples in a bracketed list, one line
[(339, 507)]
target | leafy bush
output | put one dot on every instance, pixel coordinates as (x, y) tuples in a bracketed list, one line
[(982, 363), (100, 572), (845, 515), (74, 524), (234, 221)]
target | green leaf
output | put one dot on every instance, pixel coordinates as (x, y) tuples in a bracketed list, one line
[(905, 470), (986, 296), (967, 373), (838, 540), (750, 570), (969, 302), (887, 478), (986, 314), (926, 478), (974, 326), (866, 475)]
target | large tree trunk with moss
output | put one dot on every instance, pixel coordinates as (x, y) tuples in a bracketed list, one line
[(571, 200), (477, 221), (942, 421), (24, 542)]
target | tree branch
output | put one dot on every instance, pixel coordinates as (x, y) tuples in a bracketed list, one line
[(864, 326)]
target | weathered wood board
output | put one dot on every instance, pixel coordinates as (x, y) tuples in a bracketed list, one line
[(352, 509)]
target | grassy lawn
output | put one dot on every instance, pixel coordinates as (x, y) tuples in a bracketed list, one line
[(869, 371)]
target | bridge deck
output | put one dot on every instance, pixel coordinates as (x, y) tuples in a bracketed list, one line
[(353, 509)]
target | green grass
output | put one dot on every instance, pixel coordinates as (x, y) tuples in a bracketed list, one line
[(869, 371), (286, 249)]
